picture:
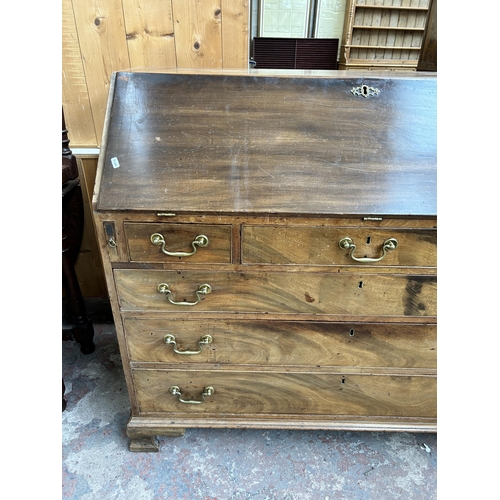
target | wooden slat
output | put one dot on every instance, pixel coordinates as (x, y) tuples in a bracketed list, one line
[(235, 37), (150, 33), (198, 33), (75, 98), (391, 7), (101, 32), (398, 28)]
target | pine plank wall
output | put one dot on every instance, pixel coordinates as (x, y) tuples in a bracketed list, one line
[(103, 36)]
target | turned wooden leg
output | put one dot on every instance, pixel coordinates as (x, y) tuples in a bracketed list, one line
[(63, 400), (83, 330)]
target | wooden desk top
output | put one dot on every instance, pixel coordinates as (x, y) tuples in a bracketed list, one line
[(283, 145)]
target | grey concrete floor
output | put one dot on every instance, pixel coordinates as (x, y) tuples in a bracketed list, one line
[(221, 464)]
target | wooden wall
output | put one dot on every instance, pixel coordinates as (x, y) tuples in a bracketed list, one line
[(103, 36), (100, 37)]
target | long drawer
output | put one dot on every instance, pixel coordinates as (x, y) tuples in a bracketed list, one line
[(258, 393), (321, 246), (277, 292), (281, 343)]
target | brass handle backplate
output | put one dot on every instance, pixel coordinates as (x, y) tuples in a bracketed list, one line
[(200, 241), (347, 244), (207, 391), (170, 339), (164, 288)]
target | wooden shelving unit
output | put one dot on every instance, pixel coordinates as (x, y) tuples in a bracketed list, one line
[(383, 34)]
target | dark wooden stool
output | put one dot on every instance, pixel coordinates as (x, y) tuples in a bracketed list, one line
[(82, 330)]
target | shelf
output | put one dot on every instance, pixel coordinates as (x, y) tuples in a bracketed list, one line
[(385, 47), (396, 28), (395, 32), (394, 7), (390, 63)]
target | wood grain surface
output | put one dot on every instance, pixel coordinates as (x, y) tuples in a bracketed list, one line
[(255, 144), (281, 343), (282, 393), (279, 292), (179, 238), (320, 246)]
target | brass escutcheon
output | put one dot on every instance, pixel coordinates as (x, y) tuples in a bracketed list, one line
[(365, 91)]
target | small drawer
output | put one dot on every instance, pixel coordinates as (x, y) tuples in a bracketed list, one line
[(327, 246), (317, 293), (281, 343), (195, 243), (220, 392)]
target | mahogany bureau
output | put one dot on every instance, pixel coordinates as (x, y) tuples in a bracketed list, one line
[(269, 243)]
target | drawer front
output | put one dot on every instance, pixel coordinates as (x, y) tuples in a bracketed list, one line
[(195, 243), (281, 343), (285, 393), (320, 246), (277, 292)]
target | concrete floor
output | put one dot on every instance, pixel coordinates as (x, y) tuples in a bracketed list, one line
[(221, 464)]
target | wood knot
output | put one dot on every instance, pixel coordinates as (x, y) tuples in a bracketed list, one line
[(217, 12), (196, 45)]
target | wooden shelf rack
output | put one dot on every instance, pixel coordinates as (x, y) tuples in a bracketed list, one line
[(384, 34)]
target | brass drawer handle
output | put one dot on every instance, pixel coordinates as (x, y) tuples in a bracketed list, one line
[(205, 340), (348, 244), (207, 391), (202, 290), (200, 241)]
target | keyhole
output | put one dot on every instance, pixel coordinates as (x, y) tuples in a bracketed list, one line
[(368, 240), (351, 332), (360, 284), (343, 380)]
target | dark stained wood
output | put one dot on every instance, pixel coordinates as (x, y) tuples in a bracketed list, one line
[(69, 167), (72, 231), (226, 144), (427, 60)]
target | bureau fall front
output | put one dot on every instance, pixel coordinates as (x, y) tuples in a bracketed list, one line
[(269, 245)]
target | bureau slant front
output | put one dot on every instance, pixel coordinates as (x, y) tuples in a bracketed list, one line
[(269, 245)]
